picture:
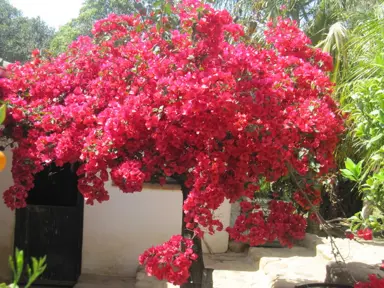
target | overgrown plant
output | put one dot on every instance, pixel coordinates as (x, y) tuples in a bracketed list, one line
[(179, 94), (362, 97), (375, 222), (16, 264), (372, 215)]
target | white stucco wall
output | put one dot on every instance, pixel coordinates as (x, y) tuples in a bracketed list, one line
[(118, 231), (218, 242), (7, 222)]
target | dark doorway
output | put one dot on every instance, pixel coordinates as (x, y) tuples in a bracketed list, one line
[(52, 225)]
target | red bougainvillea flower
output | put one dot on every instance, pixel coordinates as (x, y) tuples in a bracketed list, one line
[(365, 234), (314, 217), (374, 282), (247, 206), (350, 235), (170, 261), (178, 95), (256, 228), (313, 195)]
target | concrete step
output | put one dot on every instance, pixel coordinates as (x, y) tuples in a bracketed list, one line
[(266, 267), (291, 271), (312, 261), (233, 270)]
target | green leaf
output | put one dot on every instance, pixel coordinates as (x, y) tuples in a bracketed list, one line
[(358, 168), (379, 176), (38, 267), (12, 265), (35, 264), (356, 227), (349, 164), (381, 116), (374, 139), (19, 265), (352, 170), (157, 3), (167, 9), (348, 174), (3, 112), (354, 219)]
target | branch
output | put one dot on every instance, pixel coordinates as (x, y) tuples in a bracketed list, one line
[(326, 227)]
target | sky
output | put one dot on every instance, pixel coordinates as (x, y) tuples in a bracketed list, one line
[(54, 12)]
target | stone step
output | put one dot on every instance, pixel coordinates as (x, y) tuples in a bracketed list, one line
[(266, 267), (292, 271), (233, 270), (258, 253), (284, 267), (230, 261), (312, 261), (241, 279)]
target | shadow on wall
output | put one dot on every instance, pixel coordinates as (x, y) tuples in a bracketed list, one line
[(7, 222)]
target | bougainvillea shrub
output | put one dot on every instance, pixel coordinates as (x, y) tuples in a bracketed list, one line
[(178, 94)]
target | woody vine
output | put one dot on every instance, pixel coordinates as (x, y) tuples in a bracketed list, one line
[(175, 92)]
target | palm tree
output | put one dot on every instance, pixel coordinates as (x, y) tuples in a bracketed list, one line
[(326, 22)]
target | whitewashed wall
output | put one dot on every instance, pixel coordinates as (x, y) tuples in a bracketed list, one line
[(218, 242), (116, 232)]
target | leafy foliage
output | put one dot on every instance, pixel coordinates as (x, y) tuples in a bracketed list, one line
[(375, 222), (352, 171), (64, 37), (90, 12), (361, 92), (19, 35), (315, 17), (17, 266)]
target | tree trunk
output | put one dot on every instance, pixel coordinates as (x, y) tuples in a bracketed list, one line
[(197, 269)]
